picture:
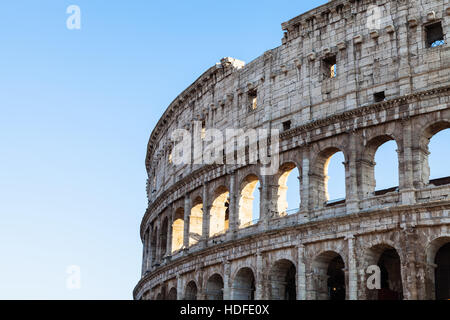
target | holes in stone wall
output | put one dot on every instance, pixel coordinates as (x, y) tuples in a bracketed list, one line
[(252, 100), (434, 35), (329, 66), (379, 97)]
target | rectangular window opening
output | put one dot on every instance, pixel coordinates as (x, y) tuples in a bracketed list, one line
[(330, 67), (379, 96), (287, 125), (434, 35), (253, 100)]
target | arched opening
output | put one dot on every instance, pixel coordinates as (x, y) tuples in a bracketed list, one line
[(282, 281), (432, 154), (146, 295), (328, 270), (164, 232), (288, 193), (388, 260), (219, 213), (442, 273), (153, 245), (172, 294), (196, 221), (439, 153), (159, 296), (438, 269), (249, 202), (178, 230), (244, 285), (386, 166), (191, 291), (328, 178), (334, 173), (214, 288)]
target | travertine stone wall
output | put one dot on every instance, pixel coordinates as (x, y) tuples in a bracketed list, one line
[(198, 232)]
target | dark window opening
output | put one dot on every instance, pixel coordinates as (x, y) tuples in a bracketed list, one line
[(330, 67), (434, 35), (252, 100), (286, 125), (379, 96)]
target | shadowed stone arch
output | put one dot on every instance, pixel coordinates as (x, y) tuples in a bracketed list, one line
[(329, 281), (244, 285), (214, 287), (146, 295), (386, 257), (196, 221), (191, 291), (247, 189), (172, 295), (438, 268), (153, 245), (282, 280), (164, 233), (219, 212), (367, 163)]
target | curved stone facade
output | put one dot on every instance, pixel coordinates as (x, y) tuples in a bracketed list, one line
[(337, 83)]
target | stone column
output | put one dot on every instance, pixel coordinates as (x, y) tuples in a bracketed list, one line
[(187, 213), (206, 214), (234, 207), (179, 288), (408, 267), (145, 252), (301, 273), (305, 184), (265, 208), (352, 270), (406, 165), (158, 244), (351, 181), (259, 294), (226, 281), (169, 233)]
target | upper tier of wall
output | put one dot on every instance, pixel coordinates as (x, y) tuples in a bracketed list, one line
[(290, 82)]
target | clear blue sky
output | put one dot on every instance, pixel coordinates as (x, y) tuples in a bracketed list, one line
[(77, 108)]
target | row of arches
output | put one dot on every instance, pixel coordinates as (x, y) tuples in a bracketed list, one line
[(328, 184), (327, 279)]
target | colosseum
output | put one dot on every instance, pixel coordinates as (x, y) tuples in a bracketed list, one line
[(349, 76)]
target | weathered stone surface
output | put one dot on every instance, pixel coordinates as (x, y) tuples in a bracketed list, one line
[(187, 253)]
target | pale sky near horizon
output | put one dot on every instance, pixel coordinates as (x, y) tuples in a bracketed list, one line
[(77, 109)]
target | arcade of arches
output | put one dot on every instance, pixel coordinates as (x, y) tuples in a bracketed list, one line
[(216, 213)]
